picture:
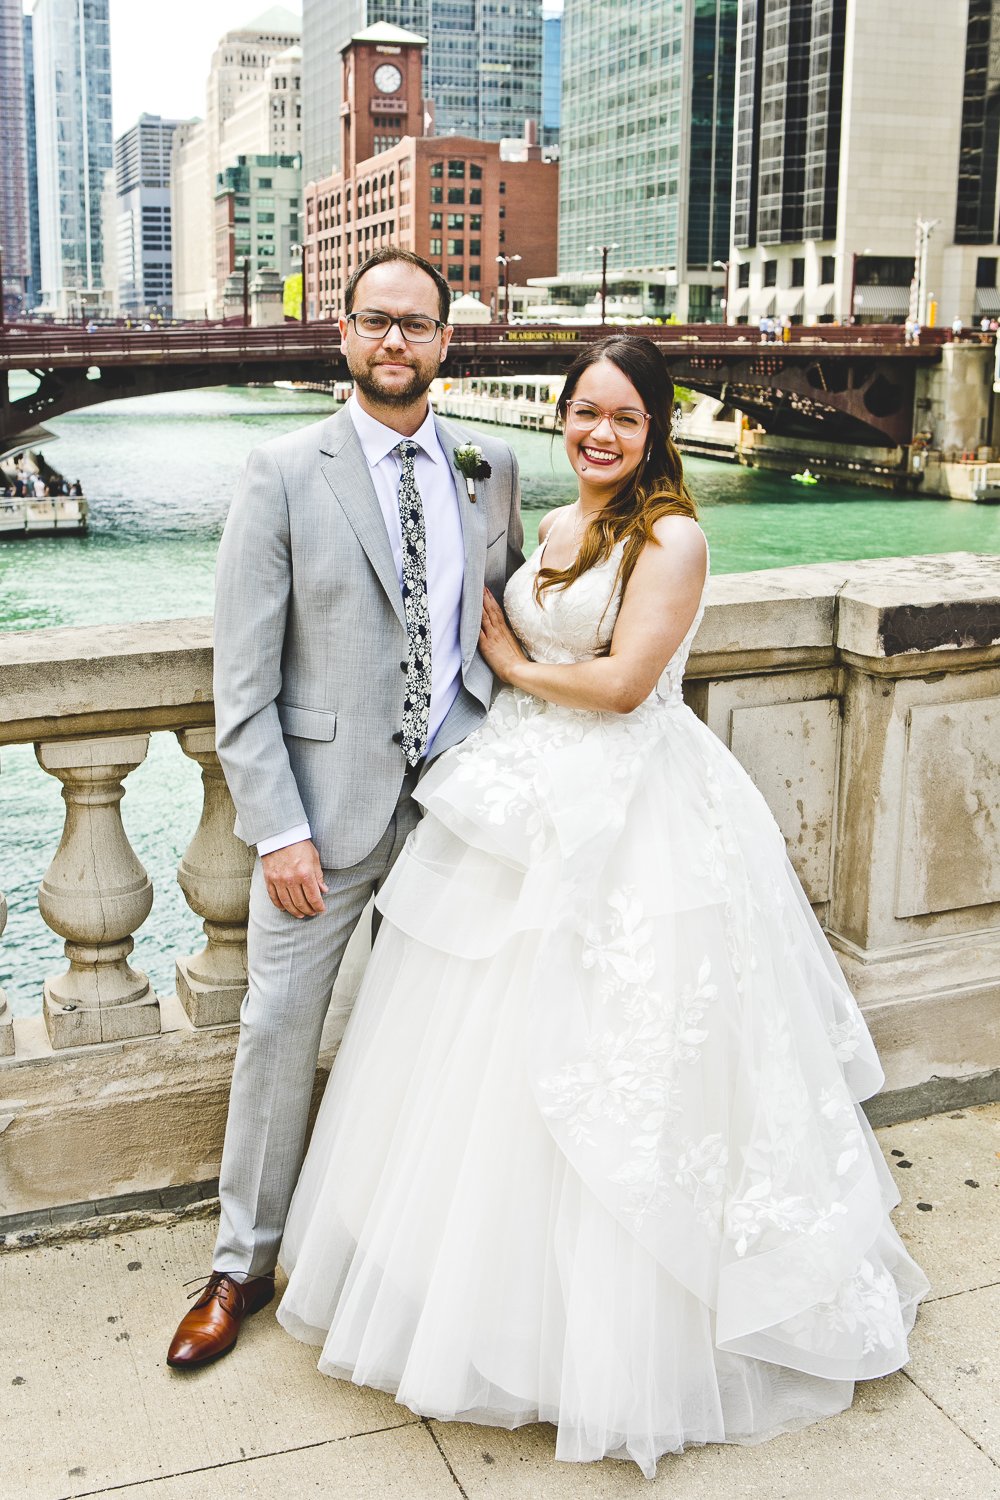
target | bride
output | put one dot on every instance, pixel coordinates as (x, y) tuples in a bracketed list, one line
[(591, 1152)]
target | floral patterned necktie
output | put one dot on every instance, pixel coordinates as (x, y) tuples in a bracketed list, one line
[(417, 703)]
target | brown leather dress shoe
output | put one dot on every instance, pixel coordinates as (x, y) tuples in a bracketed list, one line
[(212, 1326)]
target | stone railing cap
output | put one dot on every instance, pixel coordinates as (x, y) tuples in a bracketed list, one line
[(899, 605), (878, 607)]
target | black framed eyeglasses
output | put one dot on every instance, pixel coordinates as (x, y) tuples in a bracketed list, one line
[(416, 328)]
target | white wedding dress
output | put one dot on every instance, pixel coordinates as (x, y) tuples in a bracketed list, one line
[(591, 1153)]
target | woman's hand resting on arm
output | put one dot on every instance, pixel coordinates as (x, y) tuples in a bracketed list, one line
[(659, 604), (498, 643)]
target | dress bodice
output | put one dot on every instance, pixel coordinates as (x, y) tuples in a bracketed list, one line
[(576, 623)]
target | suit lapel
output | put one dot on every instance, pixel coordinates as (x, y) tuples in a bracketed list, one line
[(474, 537), (346, 472)]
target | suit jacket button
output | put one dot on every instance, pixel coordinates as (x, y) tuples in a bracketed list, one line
[(403, 666), (397, 738)]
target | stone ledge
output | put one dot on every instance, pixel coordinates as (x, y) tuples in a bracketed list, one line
[(89, 1220), (158, 674)]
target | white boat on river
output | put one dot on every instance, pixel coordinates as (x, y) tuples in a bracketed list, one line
[(56, 515)]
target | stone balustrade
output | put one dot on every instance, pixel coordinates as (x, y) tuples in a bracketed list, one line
[(863, 698)]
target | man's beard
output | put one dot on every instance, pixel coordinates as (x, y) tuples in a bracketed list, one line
[(418, 386)]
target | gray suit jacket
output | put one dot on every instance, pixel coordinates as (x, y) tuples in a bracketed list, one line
[(310, 633)]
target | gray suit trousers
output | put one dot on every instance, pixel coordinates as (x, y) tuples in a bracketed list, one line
[(292, 968)]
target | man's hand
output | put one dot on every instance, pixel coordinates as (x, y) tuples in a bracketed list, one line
[(294, 879)]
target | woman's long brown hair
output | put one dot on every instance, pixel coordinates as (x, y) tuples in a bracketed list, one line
[(656, 488)]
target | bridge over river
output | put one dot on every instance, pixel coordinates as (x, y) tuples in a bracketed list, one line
[(851, 385)]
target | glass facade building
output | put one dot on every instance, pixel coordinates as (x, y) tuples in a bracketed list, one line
[(979, 149), (72, 54), (791, 89), (551, 76), (646, 137), (15, 234), (483, 72), (35, 276)]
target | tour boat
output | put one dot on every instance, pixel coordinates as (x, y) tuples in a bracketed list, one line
[(48, 515)]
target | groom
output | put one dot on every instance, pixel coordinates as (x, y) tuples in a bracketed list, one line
[(348, 604)]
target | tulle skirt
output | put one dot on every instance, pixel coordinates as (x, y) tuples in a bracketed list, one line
[(591, 1152)]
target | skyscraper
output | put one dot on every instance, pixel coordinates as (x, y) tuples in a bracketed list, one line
[(646, 149), (845, 139), (72, 50), (143, 224), (35, 277), (254, 74), (551, 74), (15, 237), (484, 68)]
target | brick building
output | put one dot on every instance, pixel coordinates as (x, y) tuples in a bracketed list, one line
[(452, 199)]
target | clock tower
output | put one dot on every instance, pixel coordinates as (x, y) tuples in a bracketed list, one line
[(382, 92)]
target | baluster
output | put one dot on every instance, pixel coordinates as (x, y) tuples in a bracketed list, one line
[(6, 1019), (214, 875), (94, 895)]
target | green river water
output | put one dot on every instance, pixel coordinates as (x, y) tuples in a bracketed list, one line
[(160, 473)]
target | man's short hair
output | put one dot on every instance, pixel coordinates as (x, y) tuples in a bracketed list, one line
[(386, 256)]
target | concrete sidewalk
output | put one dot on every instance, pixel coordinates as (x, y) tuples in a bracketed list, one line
[(88, 1406)]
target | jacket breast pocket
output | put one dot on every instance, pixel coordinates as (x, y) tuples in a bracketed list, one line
[(307, 723)]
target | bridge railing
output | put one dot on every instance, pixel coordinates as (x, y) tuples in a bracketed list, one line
[(862, 699)]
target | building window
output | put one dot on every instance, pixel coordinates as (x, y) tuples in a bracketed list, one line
[(770, 273), (264, 182), (475, 221), (456, 169), (437, 168), (503, 188), (456, 221), (456, 195), (437, 195), (798, 270), (986, 271), (456, 247), (435, 221), (475, 170), (827, 269), (884, 270), (475, 195), (474, 273), (456, 272), (434, 247), (743, 273), (474, 247)]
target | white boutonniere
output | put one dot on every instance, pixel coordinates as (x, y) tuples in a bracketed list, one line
[(471, 463)]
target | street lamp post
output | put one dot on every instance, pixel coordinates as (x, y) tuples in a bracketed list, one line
[(3, 306), (723, 266), (918, 300), (246, 291), (605, 252), (505, 260)]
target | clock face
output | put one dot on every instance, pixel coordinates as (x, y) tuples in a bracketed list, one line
[(388, 78)]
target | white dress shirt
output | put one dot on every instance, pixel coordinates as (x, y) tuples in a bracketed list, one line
[(435, 479)]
